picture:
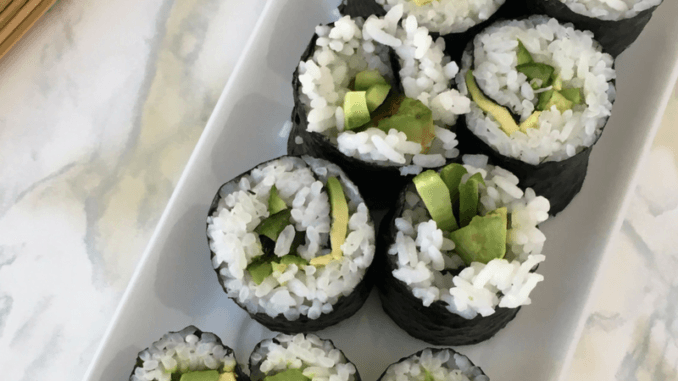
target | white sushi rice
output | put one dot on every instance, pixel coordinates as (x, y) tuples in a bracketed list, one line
[(299, 290), (610, 9), (447, 16), (318, 359), (423, 251), (579, 61), (182, 352), (443, 365), (354, 45)]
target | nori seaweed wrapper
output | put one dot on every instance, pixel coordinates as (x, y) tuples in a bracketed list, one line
[(614, 35), (558, 181), (379, 184), (344, 308), (239, 374), (454, 42), (257, 375), (434, 324), (434, 351)]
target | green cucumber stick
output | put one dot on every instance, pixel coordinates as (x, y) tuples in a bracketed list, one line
[(523, 54), (274, 224), (436, 197), (275, 203), (259, 271)]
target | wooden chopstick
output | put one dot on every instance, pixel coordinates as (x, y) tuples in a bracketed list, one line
[(3, 4), (9, 36), (18, 18), (10, 11)]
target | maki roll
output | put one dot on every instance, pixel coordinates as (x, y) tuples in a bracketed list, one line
[(458, 252), (434, 364), (616, 24), (541, 94), (456, 21), (291, 241), (301, 357), (187, 355), (375, 97)]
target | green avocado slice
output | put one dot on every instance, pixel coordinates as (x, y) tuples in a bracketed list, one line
[(436, 197), (356, 112), (501, 114), (539, 71), (275, 203), (415, 120), (531, 122), (557, 82), (274, 224), (523, 54), (574, 95), (259, 270), (288, 375), (203, 375), (482, 240), (451, 175), (422, 2), (339, 228), (228, 376), (550, 98), (278, 267), (368, 78), (376, 95), (468, 199)]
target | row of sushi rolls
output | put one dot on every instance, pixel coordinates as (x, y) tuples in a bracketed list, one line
[(463, 125)]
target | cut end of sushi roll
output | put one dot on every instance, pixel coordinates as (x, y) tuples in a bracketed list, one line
[(616, 24), (187, 355), (543, 91), (541, 94), (291, 241), (398, 122), (459, 283), (434, 364), (300, 357)]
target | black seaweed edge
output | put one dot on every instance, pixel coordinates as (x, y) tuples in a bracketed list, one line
[(239, 374), (558, 181), (434, 324), (255, 368), (434, 350), (364, 174), (614, 35), (344, 308)]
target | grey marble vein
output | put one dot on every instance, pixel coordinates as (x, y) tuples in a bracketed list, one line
[(40, 366), (5, 308)]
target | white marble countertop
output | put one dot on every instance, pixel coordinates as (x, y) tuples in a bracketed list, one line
[(101, 105)]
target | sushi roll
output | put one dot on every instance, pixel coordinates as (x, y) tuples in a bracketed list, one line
[(458, 252), (541, 94), (434, 364), (187, 355), (456, 21), (291, 241), (616, 24), (301, 357), (375, 97)]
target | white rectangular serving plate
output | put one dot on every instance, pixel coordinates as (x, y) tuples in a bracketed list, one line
[(175, 285)]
